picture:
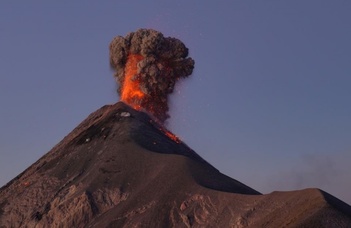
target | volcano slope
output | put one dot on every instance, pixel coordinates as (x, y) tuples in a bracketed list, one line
[(119, 168)]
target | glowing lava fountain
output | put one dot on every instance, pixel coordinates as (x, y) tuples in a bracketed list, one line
[(131, 92)]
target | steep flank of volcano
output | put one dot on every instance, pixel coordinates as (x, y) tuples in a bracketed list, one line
[(120, 168)]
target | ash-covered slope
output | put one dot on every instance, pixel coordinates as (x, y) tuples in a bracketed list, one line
[(119, 168)]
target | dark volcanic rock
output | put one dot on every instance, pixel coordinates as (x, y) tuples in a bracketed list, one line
[(119, 168)]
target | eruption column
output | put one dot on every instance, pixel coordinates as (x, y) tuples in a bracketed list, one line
[(147, 66)]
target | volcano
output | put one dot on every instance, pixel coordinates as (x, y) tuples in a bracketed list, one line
[(120, 168)]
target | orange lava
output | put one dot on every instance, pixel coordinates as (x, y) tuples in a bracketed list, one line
[(131, 92), (169, 134), (172, 136)]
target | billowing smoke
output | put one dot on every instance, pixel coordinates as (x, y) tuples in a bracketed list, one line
[(147, 66)]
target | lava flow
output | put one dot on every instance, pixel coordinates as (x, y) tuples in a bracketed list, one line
[(171, 136), (131, 92)]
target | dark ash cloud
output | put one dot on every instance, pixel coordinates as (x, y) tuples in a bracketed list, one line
[(163, 62)]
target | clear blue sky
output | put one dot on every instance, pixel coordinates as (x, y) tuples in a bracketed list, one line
[(268, 103)]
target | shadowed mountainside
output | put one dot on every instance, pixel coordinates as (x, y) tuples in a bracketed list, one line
[(119, 168)]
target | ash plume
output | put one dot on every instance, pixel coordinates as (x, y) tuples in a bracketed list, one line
[(147, 66)]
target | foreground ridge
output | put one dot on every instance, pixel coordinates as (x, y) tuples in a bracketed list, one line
[(120, 168)]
